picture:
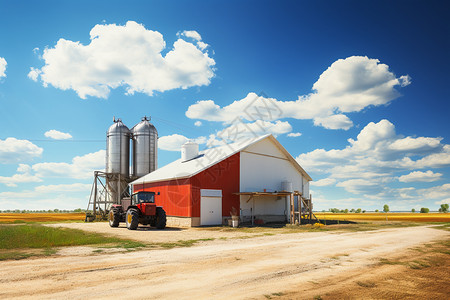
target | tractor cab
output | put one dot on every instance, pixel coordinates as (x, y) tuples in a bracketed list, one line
[(142, 197)]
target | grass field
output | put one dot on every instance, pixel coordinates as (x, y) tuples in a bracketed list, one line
[(407, 217), (40, 217), (26, 240)]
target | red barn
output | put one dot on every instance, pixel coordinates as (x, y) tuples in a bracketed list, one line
[(203, 188)]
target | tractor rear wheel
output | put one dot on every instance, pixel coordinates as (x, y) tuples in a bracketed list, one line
[(113, 218), (132, 219), (160, 218)]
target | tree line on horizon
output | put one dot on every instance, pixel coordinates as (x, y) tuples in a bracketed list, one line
[(443, 209)]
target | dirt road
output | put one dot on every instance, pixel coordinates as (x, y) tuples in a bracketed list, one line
[(233, 268)]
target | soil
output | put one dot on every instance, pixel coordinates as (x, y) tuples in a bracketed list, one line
[(395, 263)]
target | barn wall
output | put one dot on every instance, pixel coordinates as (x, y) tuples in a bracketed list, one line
[(264, 166), (222, 176), (174, 197)]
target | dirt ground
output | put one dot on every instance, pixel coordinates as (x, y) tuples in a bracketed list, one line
[(395, 263)]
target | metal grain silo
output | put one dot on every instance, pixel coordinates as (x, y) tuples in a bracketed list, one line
[(145, 148), (117, 160), (118, 149)]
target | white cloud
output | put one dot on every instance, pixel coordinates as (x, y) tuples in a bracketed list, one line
[(198, 123), (62, 196), (192, 34), (34, 74), (13, 151), (294, 134), (63, 188), (128, 56), (171, 142), (323, 182), (444, 201), (3, 64), (82, 167), (240, 130), (202, 45), (418, 176), (361, 186), (348, 85), (57, 135), (24, 175), (175, 141), (369, 163), (196, 36)]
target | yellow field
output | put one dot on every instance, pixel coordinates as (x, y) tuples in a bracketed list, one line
[(41, 217), (412, 217)]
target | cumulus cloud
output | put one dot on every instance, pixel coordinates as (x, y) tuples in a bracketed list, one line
[(3, 64), (323, 182), (34, 74), (129, 56), (63, 188), (294, 134), (368, 163), (198, 123), (348, 85), (23, 175), (195, 36), (62, 196), (192, 34), (175, 141), (240, 130), (418, 176), (57, 135), (82, 167), (13, 151), (443, 201)]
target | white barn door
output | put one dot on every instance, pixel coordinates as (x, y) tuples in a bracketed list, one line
[(210, 207)]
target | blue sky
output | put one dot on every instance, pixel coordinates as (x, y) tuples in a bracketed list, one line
[(360, 89)]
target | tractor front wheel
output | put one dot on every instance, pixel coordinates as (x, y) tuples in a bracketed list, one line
[(113, 218), (132, 219), (160, 218)]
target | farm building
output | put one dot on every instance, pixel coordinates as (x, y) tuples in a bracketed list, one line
[(256, 179)]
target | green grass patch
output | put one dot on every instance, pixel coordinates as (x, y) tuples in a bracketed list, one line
[(28, 240), (16, 255), (182, 243), (38, 236), (385, 261)]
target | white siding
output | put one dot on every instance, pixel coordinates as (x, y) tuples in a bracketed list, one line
[(267, 171)]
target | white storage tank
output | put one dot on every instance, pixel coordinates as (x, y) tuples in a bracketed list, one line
[(286, 186), (189, 150)]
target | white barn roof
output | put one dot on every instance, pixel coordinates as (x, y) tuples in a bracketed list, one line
[(208, 158)]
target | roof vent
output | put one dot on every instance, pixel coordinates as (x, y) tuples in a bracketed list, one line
[(189, 151)]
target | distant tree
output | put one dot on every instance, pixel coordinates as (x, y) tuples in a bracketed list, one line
[(346, 211), (413, 210), (358, 211), (376, 210), (386, 208), (444, 208), (424, 210), (352, 210), (364, 211)]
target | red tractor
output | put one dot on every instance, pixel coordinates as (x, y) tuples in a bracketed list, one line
[(139, 209)]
